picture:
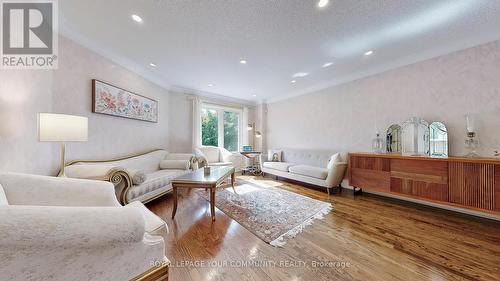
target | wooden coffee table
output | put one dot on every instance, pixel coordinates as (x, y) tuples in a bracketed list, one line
[(198, 179)]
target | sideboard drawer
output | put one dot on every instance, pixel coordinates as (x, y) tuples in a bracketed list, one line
[(371, 179)]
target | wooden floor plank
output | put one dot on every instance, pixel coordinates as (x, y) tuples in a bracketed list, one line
[(380, 238)]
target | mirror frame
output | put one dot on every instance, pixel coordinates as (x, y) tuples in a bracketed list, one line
[(389, 131)]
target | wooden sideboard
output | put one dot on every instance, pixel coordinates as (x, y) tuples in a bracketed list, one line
[(471, 183)]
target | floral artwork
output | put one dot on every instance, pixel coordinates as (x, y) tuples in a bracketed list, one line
[(111, 100)]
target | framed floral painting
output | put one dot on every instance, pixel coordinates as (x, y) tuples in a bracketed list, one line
[(115, 101)]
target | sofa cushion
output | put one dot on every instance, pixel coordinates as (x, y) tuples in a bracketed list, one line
[(281, 166), (310, 171), (3, 197), (336, 158), (154, 224), (154, 181), (274, 155), (175, 164), (137, 176)]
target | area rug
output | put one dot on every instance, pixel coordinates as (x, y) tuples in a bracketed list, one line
[(272, 214)]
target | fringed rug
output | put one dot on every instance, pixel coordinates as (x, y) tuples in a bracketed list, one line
[(271, 213)]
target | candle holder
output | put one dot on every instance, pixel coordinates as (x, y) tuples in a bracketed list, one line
[(472, 143)]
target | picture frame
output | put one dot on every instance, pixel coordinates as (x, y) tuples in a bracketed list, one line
[(111, 100)]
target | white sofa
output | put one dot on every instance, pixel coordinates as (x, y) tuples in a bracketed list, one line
[(121, 172), (73, 229), (320, 168), (218, 156)]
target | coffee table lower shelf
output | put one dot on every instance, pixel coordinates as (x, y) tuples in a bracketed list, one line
[(198, 179)]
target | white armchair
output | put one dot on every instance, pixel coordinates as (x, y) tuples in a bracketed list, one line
[(73, 229), (217, 156)]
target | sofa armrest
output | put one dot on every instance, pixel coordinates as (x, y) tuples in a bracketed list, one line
[(23, 189), (336, 174), (87, 227)]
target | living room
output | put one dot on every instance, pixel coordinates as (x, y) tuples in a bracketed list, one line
[(250, 140)]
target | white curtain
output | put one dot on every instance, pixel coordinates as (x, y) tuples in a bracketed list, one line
[(196, 122), (244, 124)]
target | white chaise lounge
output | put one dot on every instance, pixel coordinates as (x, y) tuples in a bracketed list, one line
[(122, 173), (320, 168)]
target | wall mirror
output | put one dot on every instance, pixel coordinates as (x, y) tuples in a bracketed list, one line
[(393, 138), (438, 140)]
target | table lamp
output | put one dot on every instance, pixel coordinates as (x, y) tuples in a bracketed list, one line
[(62, 128)]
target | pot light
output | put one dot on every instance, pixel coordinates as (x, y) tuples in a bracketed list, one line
[(300, 74), (327, 64), (254, 95), (368, 53), (137, 18), (323, 3), (210, 85), (293, 81), (243, 61), (152, 64)]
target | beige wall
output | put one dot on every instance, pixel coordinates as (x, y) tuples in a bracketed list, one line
[(345, 117), (24, 93), (68, 90)]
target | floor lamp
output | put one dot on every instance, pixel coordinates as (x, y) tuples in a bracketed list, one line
[(255, 134), (62, 128)]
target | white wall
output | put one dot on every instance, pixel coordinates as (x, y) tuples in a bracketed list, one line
[(345, 117)]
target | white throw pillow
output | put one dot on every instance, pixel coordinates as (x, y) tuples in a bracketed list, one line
[(3, 197), (334, 159), (175, 164), (274, 155), (137, 176)]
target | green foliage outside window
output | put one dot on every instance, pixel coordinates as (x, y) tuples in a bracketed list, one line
[(231, 125), (209, 127)]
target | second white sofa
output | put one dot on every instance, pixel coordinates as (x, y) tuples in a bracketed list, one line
[(321, 168)]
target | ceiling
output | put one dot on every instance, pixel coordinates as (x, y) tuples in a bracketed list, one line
[(195, 43)]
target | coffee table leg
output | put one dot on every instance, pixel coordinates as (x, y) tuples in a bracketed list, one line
[(174, 191), (212, 202)]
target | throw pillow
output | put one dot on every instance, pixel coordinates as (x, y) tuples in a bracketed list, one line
[(175, 164), (334, 159), (137, 176), (274, 155), (3, 197)]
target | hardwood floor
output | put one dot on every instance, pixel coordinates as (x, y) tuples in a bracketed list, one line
[(376, 239)]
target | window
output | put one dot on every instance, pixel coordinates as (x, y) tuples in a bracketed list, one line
[(221, 127)]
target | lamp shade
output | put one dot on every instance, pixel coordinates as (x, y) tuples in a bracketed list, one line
[(62, 127)]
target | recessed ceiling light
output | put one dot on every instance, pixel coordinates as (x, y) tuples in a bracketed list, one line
[(254, 95), (323, 3), (327, 64), (300, 74), (368, 53), (136, 18), (152, 64), (293, 81), (243, 61), (210, 85)]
